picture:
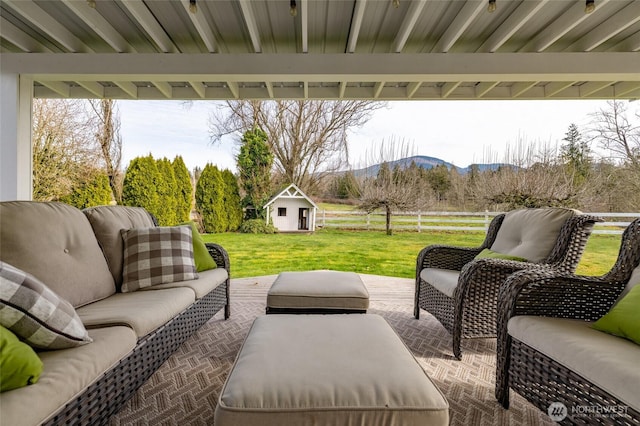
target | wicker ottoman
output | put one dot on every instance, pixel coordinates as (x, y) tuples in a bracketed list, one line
[(314, 292), (327, 370)]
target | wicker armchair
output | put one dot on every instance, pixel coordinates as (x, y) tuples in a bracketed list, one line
[(540, 378), (462, 292)]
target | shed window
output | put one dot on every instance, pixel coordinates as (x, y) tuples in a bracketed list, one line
[(282, 211)]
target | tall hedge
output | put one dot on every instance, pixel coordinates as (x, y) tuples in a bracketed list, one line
[(184, 190), (167, 190), (232, 201), (140, 182), (210, 191), (95, 191)]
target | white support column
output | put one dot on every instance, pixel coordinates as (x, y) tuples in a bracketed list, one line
[(15, 137)]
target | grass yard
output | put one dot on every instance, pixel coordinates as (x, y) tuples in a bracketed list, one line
[(367, 252)]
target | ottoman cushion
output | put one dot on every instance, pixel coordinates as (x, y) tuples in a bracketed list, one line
[(318, 289), (327, 370)]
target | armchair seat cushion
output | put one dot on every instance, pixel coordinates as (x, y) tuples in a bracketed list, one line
[(444, 280), (609, 362), (531, 233)]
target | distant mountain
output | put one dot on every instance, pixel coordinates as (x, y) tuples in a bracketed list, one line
[(427, 163)]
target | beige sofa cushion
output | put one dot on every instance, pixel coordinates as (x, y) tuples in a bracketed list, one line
[(444, 280), (142, 311), (318, 289), (55, 243), (67, 372), (329, 370), (208, 281), (107, 221), (531, 233), (607, 361)]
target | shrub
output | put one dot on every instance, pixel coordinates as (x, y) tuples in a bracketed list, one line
[(232, 201), (184, 190), (257, 226), (95, 191), (139, 186), (167, 193), (210, 200)]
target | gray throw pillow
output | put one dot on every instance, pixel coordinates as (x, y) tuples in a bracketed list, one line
[(157, 255), (36, 314)]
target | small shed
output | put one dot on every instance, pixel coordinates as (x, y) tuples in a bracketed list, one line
[(291, 210)]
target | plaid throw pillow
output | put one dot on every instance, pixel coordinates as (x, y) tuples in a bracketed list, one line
[(36, 314), (157, 255)]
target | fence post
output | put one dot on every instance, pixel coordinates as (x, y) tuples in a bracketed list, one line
[(419, 224), (324, 218), (486, 220), (367, 221)]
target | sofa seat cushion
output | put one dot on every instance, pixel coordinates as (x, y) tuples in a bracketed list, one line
[(208, 280), (55, 243), (445, 280), (107, 221), (66, 373), (144, 311), (531, 233), (607, 361)]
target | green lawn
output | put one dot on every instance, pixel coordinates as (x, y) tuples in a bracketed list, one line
[(367, 251)]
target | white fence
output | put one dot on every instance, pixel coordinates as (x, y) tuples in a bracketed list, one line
[(444, 221)]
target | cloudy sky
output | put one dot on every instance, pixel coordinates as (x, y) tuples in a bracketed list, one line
[(460, 132)]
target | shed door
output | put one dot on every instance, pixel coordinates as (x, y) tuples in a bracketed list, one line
[(303, 219)]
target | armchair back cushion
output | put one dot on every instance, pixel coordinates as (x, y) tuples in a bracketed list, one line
[(531, 233), (54, 242), (633, 281), (107, 222)]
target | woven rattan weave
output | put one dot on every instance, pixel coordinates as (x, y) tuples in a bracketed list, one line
[(471, 312), (537, 377), (108, 394)]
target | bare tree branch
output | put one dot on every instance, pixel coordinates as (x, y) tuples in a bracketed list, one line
[(308, 138)]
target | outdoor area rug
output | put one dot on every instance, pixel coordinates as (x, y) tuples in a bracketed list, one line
[(184, 391)]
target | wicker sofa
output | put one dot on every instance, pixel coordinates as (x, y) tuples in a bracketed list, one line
[(78, 255), (548, 353)]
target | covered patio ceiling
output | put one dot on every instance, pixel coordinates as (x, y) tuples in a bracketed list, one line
[(330, 49)]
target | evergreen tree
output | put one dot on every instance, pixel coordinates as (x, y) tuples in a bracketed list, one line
[(140, 182), (255, 161), (232, 201), (210, 200), (167, 193), (440, 180), (94, 191), (184, 190), (346, 186), (576, 154)]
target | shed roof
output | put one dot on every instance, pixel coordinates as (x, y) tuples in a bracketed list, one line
[(291, 191)]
